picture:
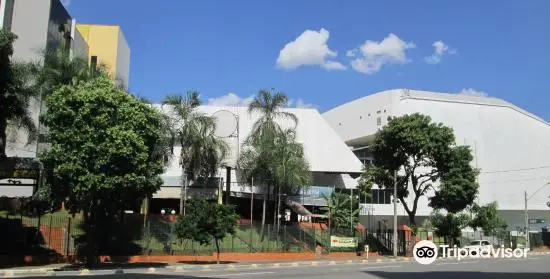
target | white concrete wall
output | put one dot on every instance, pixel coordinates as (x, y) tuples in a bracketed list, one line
[(123, 60), (509, 145)]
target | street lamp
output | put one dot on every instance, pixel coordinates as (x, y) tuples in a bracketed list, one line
[(527, 241)]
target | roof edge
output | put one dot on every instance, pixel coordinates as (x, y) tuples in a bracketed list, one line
[(506, 104)]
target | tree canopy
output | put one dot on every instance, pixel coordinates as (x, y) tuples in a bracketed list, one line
[(16, 94), (426, 158), (202, 153), (102, 147), (487, 219), (342, 210), (206, 222), (449, 225)]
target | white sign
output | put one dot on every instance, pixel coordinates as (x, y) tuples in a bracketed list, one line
[(348, 242)]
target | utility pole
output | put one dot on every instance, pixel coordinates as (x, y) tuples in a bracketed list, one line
[(526, 223), (351, 210), (395, 214), (526, 199)]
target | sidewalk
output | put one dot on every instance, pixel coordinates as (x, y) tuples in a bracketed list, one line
[(325, 259)]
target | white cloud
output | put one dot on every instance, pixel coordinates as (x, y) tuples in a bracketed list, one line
[(473, 92), (440, 48), (371, 56), (230, 100), (301, 104), (310, 48), (234, 100), (66, 3)]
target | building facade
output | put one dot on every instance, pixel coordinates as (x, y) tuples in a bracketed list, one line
[(42, 26), (510, 146), (332, 163), (108, 46)]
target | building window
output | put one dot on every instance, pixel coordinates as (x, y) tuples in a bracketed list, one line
[(93, 64), (379, 196), (340, 124), (360, 117), (8, 14), (378, 121), (369, 114)]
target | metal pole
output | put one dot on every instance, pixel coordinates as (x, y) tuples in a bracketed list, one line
[(527, 244), (251, 200), (395, 214), (351, 210)]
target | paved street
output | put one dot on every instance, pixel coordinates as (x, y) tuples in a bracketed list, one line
[(534, 267)]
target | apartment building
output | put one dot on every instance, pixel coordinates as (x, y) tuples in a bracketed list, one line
[(109, 47)]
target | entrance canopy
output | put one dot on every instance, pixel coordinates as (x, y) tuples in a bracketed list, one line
[(301, 210), (19, 176)]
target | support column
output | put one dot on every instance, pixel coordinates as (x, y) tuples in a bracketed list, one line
[(227, 185)]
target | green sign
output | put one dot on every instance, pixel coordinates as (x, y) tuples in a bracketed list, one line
[(21, 174), (347, 242), (536, 221)]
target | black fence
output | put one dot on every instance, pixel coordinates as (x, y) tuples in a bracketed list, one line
[(156, 235)]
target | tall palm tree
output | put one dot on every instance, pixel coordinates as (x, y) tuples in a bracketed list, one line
[(201, 151), (258, 157), (15, 93), (291, 168), (58, 68), (269, 106)]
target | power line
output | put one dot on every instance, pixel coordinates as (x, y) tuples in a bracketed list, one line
[(513, 170)]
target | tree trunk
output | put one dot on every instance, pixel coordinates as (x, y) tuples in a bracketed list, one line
[(412, 223), (3, 138), (218, 250), (278, 209), (264, 205), (183, 192)]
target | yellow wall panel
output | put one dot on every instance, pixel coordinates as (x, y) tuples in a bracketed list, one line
[(102, 41)]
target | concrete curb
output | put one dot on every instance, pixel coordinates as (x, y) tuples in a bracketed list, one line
[(538, 253), (180, 268)]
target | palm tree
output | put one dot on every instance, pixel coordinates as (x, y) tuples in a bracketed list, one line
[(15, 93), (340, 211), (201, 151), (269, 106), (259, 147), (291, 168), (58, 68)]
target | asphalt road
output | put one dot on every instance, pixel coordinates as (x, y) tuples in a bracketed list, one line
[(535, 267)]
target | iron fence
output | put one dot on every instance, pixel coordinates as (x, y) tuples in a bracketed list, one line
[(156, 235)]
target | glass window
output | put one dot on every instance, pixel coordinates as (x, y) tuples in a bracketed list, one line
[(378, 121), (93, 63)]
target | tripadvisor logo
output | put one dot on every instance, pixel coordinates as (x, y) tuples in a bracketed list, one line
[(426, 252)]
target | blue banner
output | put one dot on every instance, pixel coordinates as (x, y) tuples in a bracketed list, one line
[(316, 192)]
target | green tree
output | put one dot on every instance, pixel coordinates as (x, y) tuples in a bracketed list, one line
[(15, 94), (487, 219), (342, 210), (260, 151), (58, 68), (202, 153), (449, 225), (424, 155), (290, 168), (102, 157), (206, 222)]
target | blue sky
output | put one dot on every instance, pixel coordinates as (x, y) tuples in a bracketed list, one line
[(498, 48)]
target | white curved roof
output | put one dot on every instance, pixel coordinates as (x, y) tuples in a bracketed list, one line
[(509, 144), (323, 148)]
